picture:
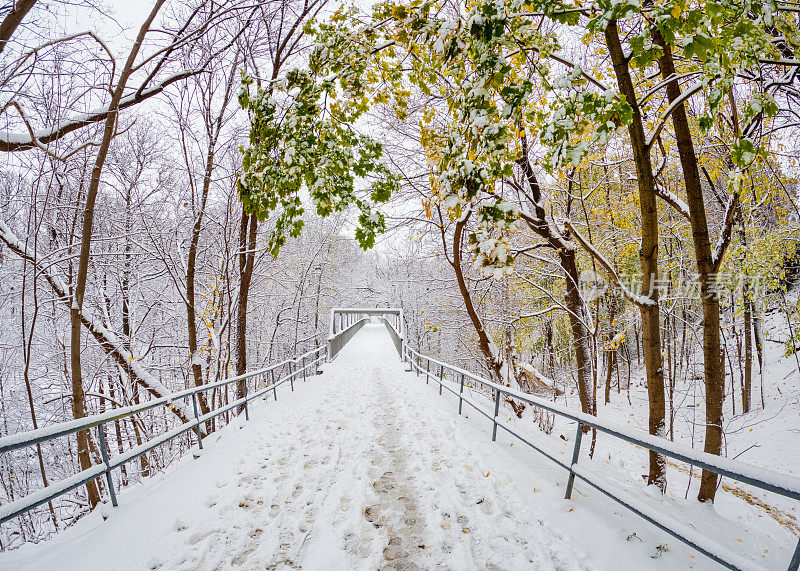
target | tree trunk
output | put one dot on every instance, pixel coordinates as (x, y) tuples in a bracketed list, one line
[(714, 379), (27, 340), (648, 255), (485, 343), (576, 309), (747, 391), (191, 313), (247, 252), (127, 330), (580, 334), (78, 395), (611, 352), (758, 334)]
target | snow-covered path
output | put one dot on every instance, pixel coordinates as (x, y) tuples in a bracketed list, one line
[(363, 467)]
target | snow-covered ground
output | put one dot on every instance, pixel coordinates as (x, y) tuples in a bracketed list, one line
[(367, 467), (766, 437)]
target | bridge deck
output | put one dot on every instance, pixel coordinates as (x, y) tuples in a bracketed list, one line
[(363, 467)]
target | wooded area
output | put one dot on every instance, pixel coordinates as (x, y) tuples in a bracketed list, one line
[(574, 199)]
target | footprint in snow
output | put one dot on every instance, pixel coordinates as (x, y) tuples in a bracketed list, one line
[(241, 559)]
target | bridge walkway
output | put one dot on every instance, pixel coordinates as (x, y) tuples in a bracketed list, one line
[(362, 467)]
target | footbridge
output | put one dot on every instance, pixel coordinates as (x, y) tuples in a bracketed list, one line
[(375, 455)]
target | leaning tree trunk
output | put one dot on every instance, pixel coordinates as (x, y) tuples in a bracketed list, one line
[(79, 290), (578, 318), (493, 363)]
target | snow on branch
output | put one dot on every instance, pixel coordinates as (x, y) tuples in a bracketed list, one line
[(662, 120), (110, 343), (725, 236), (640, 300), (673, 200), (12, 142)]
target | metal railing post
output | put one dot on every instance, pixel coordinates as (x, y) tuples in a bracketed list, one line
[(244, 391), (291, 374), (441, 378), (460, 393), (496, 412), (575, 453), (428, 372), (416, 365), (197, 422), (274, 391), (303, 362), (101, 433), (794, 564)]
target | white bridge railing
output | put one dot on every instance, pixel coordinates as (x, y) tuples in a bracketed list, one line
[(347, 321)]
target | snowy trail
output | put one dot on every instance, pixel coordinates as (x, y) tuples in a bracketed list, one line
[(363, 467)]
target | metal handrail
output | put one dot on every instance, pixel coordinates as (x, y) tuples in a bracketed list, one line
[(785, 485), (29, 438)]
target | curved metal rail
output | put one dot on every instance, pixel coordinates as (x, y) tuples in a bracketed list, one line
[(261, 385), (785, 485)]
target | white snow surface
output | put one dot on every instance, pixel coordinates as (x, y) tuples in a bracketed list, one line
[(367, 467)]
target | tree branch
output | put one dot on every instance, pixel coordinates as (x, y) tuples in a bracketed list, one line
[(725, 236), (639, 300), (107, 340), (14, 142)]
